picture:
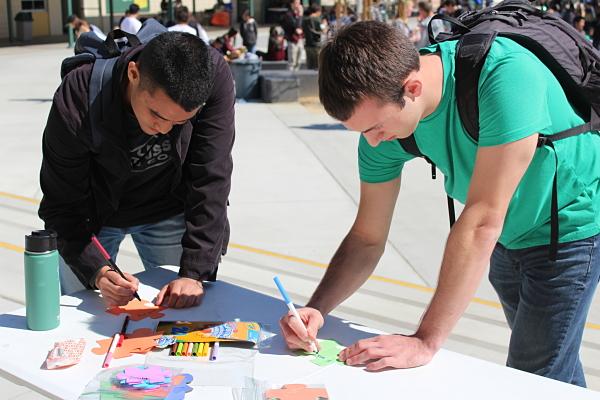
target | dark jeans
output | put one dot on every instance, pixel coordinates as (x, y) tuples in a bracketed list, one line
[(157, 244), (546, 304)]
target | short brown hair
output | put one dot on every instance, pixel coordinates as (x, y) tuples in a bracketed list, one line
[(365, 59)]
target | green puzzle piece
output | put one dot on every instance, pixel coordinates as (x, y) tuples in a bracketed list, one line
[(327, 355)]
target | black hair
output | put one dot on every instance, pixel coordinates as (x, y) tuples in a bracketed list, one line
[(182, 15), (133, 8), (180, 64)]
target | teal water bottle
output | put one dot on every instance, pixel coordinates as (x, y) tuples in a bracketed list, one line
[(42, 285)]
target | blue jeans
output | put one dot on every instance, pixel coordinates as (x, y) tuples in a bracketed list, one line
[(546, 305), (157, 244)]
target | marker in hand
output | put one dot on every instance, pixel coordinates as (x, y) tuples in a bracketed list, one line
[(288, 302), (108, 258)]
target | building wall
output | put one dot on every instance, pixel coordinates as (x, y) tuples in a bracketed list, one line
[(3, 20)]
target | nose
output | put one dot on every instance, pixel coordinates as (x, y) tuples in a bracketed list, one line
[(163, 126), (373, 138)]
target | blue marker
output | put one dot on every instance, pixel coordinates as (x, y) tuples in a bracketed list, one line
[(290, 305)]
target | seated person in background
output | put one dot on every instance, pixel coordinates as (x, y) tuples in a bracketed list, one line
[(182, 16), (276, 49)]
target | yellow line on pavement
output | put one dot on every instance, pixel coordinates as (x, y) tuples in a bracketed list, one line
[(379, 278), (17, 197), (12, 247), (298, 260)]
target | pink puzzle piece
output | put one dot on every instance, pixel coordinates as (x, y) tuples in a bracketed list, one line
[(139, 310), (297, 392)]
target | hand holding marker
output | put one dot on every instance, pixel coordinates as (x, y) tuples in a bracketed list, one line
[(113, 265), (313, 347)]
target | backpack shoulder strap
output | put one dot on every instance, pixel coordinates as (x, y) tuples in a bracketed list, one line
[(409, 144), (100, 96), (471, 52)]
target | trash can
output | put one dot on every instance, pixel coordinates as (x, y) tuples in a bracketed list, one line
[(24, 26), (245, 74)]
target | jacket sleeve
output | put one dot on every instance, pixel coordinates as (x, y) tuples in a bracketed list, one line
[(207, 176), (67, 203)]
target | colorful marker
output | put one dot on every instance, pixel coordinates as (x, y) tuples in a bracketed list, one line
[(288, 302), (111, 350), (215, 351), (179, 348)]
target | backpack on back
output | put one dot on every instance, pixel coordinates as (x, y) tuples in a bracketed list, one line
[(566, 53)]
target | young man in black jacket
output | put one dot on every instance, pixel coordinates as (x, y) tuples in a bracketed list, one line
[(158, 166)]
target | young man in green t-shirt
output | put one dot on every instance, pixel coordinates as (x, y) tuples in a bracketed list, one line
[(375, 82)]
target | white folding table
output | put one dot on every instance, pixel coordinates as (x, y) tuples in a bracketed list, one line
[(449, 376)]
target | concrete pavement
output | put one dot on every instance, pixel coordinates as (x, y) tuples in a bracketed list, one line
[(294, 196)]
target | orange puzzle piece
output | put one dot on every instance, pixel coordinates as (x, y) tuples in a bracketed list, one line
[(139, 310), (141, 341), (297, 392)]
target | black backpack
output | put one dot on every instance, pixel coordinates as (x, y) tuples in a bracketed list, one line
[(570, 57), (89, 48)]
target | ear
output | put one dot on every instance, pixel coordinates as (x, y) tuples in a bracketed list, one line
[(413, 88), (133, 73)]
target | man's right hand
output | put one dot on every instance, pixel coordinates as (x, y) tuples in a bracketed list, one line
[(294, 330), (115, 290)]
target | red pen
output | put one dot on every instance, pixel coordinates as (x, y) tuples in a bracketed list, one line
[(123, 331), (113, 265)]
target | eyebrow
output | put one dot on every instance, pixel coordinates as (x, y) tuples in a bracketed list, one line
[(166, 119), (371, 128)]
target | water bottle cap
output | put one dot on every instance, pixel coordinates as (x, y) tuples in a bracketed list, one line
[(40, 241)]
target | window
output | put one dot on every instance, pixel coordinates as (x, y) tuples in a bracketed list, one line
[(32, 5)]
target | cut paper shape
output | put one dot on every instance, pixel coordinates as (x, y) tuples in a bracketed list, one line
[(65, 353), (181, 387), (330, 349), (297, 392), (144, 377), (141, 341), (139, 310)]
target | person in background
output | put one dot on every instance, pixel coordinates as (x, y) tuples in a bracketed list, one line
[(421, 35), (276, 46), (229, 44), (194, 23), (248, 31), (80, 25), (401, 21), (311, 26), (451, 9), (218, 44), (292, 27), (579, 25), (131, 23), (182, 17)]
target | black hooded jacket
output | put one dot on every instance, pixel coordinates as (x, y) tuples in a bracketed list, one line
[(127, 179)]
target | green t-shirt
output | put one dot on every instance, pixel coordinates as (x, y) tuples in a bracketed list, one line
[(518, 96)]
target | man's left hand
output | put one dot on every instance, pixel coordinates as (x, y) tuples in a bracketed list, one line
[(180, 293), (388, 351)]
